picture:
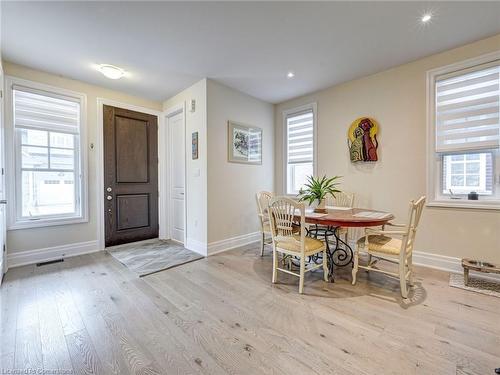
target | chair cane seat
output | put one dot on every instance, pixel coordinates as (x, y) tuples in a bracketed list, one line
[(293, 244), (381, 244)]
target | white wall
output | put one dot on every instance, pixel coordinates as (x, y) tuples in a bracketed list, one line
[(232, 186), (396, 98), (196, 170), (221, 211), (56, 236)]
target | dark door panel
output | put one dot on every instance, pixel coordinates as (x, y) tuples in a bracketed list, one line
[(131, 175)]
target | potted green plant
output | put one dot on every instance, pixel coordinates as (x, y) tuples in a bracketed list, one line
[(317, 189)]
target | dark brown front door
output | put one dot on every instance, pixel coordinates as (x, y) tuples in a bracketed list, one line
[(130, 175)]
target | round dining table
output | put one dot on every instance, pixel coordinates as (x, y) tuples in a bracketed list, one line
[(329, 223)]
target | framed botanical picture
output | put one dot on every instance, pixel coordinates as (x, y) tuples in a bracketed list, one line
[(244, 143)]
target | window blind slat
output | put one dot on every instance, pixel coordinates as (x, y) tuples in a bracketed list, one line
[(298, 129), (491, 89), (474, 133), (38, 111), (306, 138), (487, 78), (300, 133), (300, 145), (470, 124), (485, 101), (468, 111)]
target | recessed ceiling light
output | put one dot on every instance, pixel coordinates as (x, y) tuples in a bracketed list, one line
[(290, 75), (111, 71), (426, 17)]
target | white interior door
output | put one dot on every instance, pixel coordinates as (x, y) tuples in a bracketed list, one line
[(3, 202), (177, 176)]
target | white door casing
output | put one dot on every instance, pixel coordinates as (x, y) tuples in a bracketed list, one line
[(176, 173), (3, 202)]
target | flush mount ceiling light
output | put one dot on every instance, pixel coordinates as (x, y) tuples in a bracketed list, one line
[(111, 71), (426, 18), (290, 75)]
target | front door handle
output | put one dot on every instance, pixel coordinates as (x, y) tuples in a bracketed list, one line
[(3, 201)]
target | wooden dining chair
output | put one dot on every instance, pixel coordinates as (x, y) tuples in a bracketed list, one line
[(342, 199), (263, 198), (282, 212), (395, 246)]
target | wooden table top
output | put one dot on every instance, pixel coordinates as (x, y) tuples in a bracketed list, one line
[(352, 217)]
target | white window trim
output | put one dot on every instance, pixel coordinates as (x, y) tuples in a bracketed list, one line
[(433, 172), (482, 179), (13, 223), (311, 106)]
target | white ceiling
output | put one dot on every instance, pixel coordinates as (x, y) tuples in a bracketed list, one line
[(249, 46)]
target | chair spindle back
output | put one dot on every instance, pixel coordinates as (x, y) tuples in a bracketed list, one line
[(282, 212), (263, 198), (414, 214)]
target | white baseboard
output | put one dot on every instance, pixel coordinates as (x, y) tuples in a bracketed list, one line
[(446, 263), (23, 258), (443, 263), (232, 243), (196, 246)]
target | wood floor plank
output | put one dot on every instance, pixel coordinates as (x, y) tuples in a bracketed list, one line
[(222, 315), (83, 355), (53, 343), (8, 320), (28, 353), (117, 351), (28, 349), (162, 347), (352, 347), (165, 332)]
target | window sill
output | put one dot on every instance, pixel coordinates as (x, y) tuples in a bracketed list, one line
[(466, 204), (27, 224)]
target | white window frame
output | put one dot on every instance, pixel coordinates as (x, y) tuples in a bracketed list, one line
[(286, 113), (482, 179), (14, 221), (435, 198)]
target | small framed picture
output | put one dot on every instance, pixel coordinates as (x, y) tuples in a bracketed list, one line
[(244, 143), (194, 146)]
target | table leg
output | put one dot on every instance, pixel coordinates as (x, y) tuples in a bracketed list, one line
[(341, 255), (466, 276), (329, 254)]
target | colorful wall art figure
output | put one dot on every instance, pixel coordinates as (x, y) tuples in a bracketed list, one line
[(362, 139)]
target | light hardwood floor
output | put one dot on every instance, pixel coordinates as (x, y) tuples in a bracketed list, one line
[(222, 315)]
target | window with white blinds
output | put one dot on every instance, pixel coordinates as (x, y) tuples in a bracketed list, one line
[(35, 109), (465, 124), (46, 129), (300, 134), (300, 143), (467, 110)]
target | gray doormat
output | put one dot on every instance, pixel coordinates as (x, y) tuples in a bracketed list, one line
[(476, 284), (147, 257)]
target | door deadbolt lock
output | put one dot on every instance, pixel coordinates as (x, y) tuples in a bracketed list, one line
[(109, 190), (109, 197)]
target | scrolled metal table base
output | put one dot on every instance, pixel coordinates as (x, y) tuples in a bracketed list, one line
[(339, 256)]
